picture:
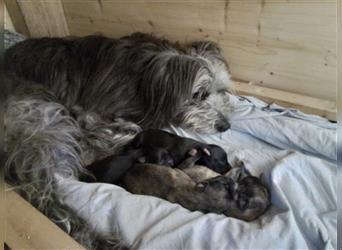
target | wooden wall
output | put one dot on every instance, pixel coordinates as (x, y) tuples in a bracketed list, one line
[(283, 44), (8, 21), (287, 45)]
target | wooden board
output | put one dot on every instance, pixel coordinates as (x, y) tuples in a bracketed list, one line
[(339, 71), (27, 228), (44, 18), (288, 45), (8, 22), (310, 105), (15, 15)]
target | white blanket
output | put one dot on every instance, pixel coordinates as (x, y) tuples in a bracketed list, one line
[(294, 153)]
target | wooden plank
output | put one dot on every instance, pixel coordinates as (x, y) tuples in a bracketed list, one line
[(44, 18), (8, 22), (310, 105), (2, 211), (27, 228), (288, 45), (16, 17), (339, 68)]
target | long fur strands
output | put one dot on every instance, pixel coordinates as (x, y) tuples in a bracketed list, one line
[(85, 98), (139, 78), (43, 141)]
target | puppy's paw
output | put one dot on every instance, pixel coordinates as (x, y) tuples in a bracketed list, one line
[(199, 151), (193, 152)]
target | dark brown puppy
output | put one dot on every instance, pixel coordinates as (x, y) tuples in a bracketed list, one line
[(178, 147)]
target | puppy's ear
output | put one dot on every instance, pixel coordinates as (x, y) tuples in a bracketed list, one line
[(238, 173), (245, 172), (201, 186)]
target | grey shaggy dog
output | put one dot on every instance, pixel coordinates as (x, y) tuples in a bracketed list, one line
[(78, 100), (139, 78)]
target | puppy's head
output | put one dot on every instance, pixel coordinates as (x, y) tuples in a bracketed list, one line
[(242, 196), (215, 160), (156, 155)]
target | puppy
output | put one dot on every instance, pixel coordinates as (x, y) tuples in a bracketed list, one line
[(112, 168), (236, 194), (178, 147)]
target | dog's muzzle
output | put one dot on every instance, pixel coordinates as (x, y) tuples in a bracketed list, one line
[(222, 124)]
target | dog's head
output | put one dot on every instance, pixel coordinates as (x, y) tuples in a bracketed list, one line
[(205, 111), (202, 116), (176, 84)]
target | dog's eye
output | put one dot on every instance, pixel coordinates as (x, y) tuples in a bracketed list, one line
[(195, 95), (201, 94)]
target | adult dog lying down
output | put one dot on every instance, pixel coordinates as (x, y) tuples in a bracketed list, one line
[(235, 194)]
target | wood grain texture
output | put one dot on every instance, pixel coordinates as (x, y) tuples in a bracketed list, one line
[(8, 22), (339, 68), (16, 17), (288, 45), (27, 228), (44, 18), (309, 105)]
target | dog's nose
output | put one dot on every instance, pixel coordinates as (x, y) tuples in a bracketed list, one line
[(222, 126)]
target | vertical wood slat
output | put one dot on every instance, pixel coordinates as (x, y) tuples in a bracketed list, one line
[(16, 17), (44, 18), (8, 22), (339, 60)]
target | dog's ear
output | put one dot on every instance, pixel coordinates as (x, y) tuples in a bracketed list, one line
[(167, 84), (137, 141), (204, 47)]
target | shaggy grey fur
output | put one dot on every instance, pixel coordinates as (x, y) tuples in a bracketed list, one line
[(140, 78), (11, 38), (51, 143), (94, 93)]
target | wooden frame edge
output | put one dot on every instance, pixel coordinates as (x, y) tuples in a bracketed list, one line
[(28, 228), (307, 104)]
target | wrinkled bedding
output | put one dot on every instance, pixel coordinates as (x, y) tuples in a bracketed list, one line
[(295, 155)]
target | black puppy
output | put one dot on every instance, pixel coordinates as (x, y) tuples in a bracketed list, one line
[(112, 168), (178, 147)]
